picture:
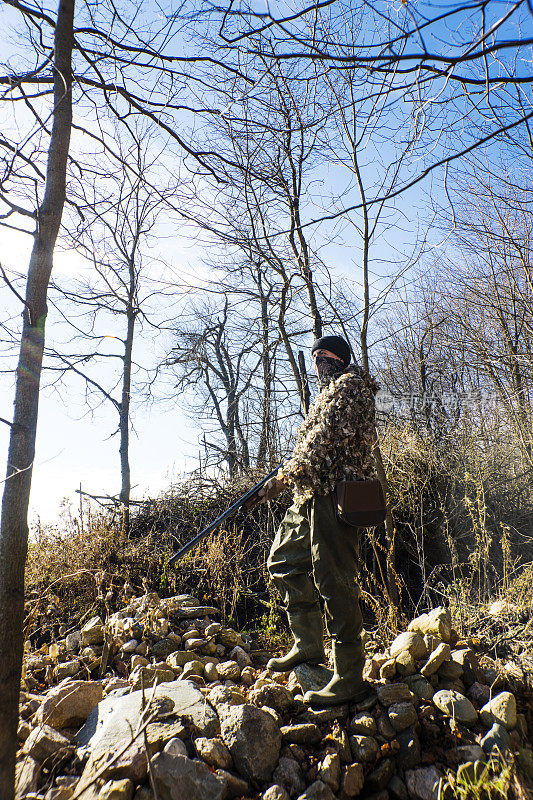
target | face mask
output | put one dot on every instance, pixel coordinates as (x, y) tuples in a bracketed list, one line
[(328, 368)]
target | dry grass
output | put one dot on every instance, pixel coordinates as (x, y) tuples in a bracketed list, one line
[(463, 536)]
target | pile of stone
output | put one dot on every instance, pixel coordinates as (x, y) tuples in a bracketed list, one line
[(163, 703)]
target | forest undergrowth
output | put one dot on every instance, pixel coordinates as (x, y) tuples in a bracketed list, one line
[(463, 532)]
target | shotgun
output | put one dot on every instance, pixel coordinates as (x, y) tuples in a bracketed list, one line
[(249, 497)]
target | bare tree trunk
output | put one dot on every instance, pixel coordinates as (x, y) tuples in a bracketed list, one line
[(390, 531), (265, 437), (288, 347), (124, 423), (523, 406), (305, 381), (230, 433), (14, 522), (244, 457)]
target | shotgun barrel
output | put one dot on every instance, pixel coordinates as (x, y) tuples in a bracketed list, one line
[(219, 520)]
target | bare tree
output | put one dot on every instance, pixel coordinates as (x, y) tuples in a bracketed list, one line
[(458, 72), (270, 153), (490, 294), (114, 62), (14, 525), (219, 352), (122, 292)]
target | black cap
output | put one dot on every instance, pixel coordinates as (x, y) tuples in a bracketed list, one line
[(335, 344)]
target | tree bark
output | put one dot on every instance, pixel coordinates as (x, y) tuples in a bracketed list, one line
[(265, 439), (14, 521), (288, 347), (305, 381), (124, 423), (390, 531)]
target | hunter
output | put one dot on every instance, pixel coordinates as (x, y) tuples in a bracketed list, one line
[(313, 551)]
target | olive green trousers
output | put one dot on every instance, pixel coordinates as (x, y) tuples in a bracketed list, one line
[(311, 551)]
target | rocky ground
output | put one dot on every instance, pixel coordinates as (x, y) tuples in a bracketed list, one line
[(164, 703)]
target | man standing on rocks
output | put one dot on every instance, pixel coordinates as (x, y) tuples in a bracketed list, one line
[(313, 550)]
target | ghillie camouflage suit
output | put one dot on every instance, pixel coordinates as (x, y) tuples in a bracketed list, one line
[(335, 441), (312, 549)]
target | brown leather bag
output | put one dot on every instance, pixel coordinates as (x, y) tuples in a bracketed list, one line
[(360, 503)]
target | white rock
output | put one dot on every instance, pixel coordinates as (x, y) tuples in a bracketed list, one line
[(115, 717), (194, 644), (402, 715), (247, 676), (195, 667), (273, 695), (275, 792), (116, 764), (289, 774), (27, 775), (181, 778), (411, 642), (44, 742), (329, 771), (221, 696), (213, 628), (364, 724), (213, 751), (240, 655), (229, 671), (140, 661), (175, 747), (455, 705), (388, 669), (405, 663), (117, 790), (437, 658), (73, 641), (301, 733), (317, 791), (67, 669), (93, 632), (69, 703), (364, 748), (211, 672), (229, 637), (353, 780), (116, 683), (501, 709), (436, 623)]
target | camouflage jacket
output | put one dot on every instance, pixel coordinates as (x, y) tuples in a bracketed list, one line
[(335, 441)]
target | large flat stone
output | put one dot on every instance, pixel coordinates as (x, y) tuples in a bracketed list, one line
[(193, 612), (115, 718), (455, 705), (182, 778), (311, 678), (44, 742), (69, 703)]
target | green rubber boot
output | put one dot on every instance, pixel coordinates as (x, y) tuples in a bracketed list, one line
[(308, 647), (347, 684)]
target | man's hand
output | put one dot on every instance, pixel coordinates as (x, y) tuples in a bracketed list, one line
[(271, 489)]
